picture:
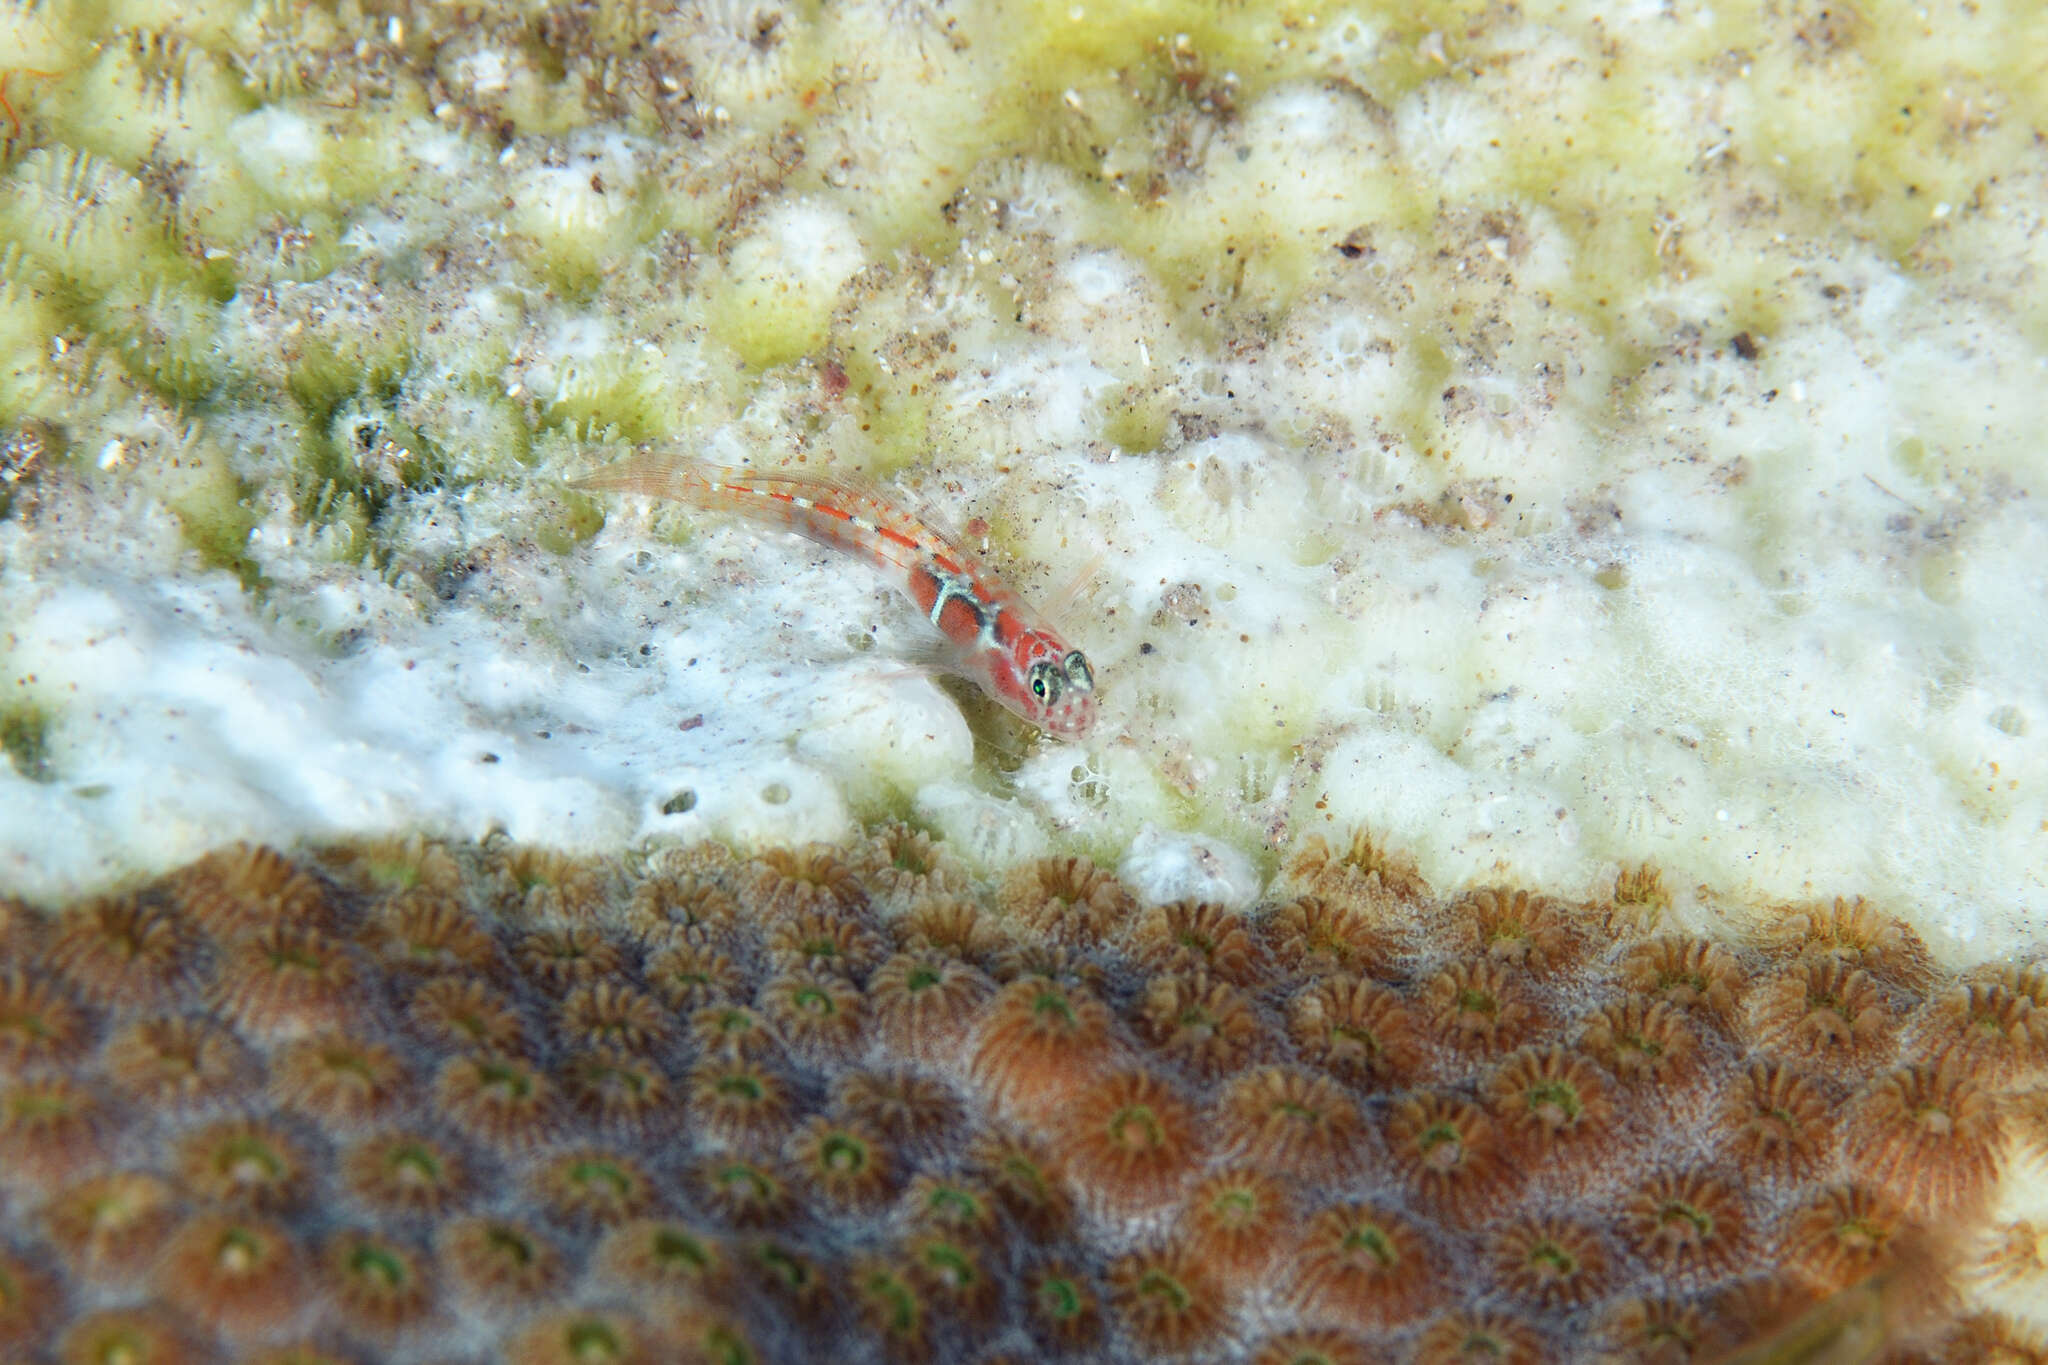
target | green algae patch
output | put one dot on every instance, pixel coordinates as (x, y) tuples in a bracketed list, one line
[(772, 301), (1136, 420), (216, 523), (575, 518), (25, 740)]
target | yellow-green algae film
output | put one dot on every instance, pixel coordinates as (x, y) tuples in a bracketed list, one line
[(1557, 439)]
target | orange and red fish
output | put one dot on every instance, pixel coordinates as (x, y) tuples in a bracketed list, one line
[(992, 636)]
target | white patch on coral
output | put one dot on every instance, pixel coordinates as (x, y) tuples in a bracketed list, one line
[(283, 152), (804, 248), (484, 72), (1163, 866)]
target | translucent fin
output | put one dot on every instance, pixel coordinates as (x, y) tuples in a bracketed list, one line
[(1061, 603)]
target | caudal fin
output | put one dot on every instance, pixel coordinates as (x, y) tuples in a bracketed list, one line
[(655, 474)]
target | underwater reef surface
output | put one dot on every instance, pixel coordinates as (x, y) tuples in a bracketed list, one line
[(1553, 440), (409, 1102), (1562, 443)]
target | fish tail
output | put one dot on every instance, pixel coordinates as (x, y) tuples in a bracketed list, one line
[(659, 474)]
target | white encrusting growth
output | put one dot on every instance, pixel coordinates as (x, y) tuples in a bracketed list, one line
[(1478, 436)]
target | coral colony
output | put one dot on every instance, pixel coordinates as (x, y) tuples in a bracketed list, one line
[(1550, 867), (409, 1102)]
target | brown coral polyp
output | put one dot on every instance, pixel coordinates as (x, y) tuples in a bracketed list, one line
[(467, 1015), (1520, 930), (341, 1078), (111, 1227), (1208, 1027), (144, 1336), (378, 1284), (558, 959), (1293, 1122), (1823, 1012), (1361, 868), (1841, 1235), (1311, 936), (1929, 1137), (1850, 932), (1449, 1151), (1690, 973), (955, 1280), (617, 1092), (739, 1100), (406, 1173), (1365, 1266), (1237, 1219), (1995, 1026), (746, 1192), (1038, 1038), (1167, 1300), (1313, 1347), (1480, 1008), (1357, 1030), (962, 1209), (1687, 1221), (281, 983), (612, 1014), (497, 1100), (1129, 1137), (29, 1302), (1069, 900), (818, 1014), (1478, 1338), (667, 909), (1062, 1308), (593, 1187), (1549, 1261), (40, 1025), (1780, 1122), (847, 1165), (585, 1337), (243, 1163), (907, 864), (240, 1275), (246, 888), (499, 1261), (124, 954), (693, 975), (665, 1256), (51, 1129), (824, 941), (1646, 1045), (923, 1002), (429, 933), (814, 878), (907, 1107), (178, 1063), (1188, 936)]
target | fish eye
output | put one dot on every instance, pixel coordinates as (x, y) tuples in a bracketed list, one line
[(1045, 680), (1078, 672)]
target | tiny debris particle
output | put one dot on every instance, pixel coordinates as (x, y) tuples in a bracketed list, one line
[(692, 722), (1744, 344)]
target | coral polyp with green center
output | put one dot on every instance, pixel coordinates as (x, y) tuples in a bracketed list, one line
[(1038, 1167)]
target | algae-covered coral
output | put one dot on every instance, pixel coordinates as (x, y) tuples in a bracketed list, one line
[(1553, 439), (1557, 441), (405, 1102)]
